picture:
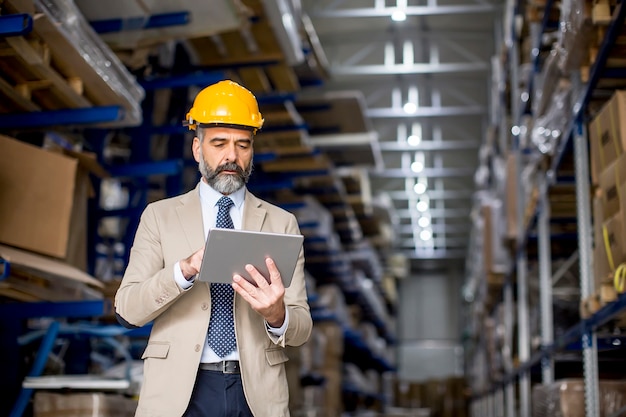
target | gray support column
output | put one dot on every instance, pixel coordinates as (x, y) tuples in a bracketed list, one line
[(523, 332), (507, 348), (583, 215), (545, 280)]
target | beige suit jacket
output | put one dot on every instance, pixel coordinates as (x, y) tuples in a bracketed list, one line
[(170, 230)]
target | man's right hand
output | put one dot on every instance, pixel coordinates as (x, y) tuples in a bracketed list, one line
[(190, 266)]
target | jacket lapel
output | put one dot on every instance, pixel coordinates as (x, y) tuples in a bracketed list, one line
[(190, 216), (253, 213)]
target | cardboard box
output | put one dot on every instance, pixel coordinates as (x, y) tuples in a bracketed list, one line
[(43, 200), (566, 398), (607, 134), (98, 404), (512, 228), (495, 254), (601, 268), (610, 181), (613, 238)]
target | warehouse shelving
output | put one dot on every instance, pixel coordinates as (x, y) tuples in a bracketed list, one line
[(500, 398), (135, 173), (97, 121)]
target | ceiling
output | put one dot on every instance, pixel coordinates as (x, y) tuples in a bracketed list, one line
[(439, 59)]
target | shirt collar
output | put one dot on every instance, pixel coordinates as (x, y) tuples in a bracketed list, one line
[(209, 195)]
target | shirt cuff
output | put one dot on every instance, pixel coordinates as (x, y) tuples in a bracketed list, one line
[(180, 278), (279, 331)]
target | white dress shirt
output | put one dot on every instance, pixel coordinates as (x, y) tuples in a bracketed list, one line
[(208, 202)]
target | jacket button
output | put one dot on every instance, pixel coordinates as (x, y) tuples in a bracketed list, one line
[(197, 349), (205, 306)]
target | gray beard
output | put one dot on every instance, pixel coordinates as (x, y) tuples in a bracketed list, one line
[(224, 184)]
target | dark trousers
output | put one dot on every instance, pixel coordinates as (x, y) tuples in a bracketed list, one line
[(217, 395)]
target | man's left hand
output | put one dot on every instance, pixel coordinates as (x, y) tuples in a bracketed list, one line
[(266, 297)]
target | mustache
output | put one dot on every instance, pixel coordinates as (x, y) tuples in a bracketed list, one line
[(230, 167)]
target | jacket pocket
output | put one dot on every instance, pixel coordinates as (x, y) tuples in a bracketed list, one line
[(276, 356), (157, 350)]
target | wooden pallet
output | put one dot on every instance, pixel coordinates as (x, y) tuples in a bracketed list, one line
[(30, 82), (601, 17), (602, 11), (535, 10), (45, 71), (253, 52), (33, 286), (602, 296), (298, 163)]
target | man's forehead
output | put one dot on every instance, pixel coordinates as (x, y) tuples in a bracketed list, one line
[(226, 133)]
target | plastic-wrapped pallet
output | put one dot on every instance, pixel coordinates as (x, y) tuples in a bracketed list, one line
[(566, 398), (78, 53), (96, 53)]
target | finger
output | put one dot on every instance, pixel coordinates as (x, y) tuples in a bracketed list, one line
[(242, 287), (196, 258), (261, 281), (275, 278)]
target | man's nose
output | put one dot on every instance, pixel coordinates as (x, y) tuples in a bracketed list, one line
[(231, 153)]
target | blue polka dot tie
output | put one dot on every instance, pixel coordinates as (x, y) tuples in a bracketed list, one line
[(222, 324)]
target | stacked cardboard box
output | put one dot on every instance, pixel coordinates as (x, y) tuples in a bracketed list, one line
[(43, 222), (98, 404), (566, 398), (607, 137), (434, 397)]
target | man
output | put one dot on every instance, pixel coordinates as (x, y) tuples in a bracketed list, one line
[(187, 371)]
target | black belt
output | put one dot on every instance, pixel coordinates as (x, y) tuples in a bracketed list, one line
[(225, 367)]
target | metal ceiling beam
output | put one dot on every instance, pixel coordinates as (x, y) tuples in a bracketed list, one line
[(443, 111), (447, 242), (409, 11), (436, 213), (429, 145), (426, 172), (344, 139), (442, 254), (409, 69), (433, 195), (369, 36), (437, 228)]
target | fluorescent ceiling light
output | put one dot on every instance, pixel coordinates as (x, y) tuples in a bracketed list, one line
[(413, 140), (417, 166), (419, 188), (410, 108), (398, 15), (424, 221), (422, 205)]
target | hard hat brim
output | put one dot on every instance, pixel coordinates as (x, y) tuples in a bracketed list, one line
[(228, 125)]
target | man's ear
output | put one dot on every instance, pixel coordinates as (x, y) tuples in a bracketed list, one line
[(195, 148)]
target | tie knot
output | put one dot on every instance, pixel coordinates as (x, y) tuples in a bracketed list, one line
[(225, 203)]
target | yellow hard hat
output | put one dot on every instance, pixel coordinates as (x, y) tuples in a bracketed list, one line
[(225, 103)]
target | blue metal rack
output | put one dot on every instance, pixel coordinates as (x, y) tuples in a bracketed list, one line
[(199, 78), (84, 116), (598, 70), (69, 309), (15, 25), (5, 269), (582, 335), (576, 332), (57, 329), (137, 23), (353, 340), (171, 167)]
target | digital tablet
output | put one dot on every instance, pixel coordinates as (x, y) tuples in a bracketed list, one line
[(228, 251)]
